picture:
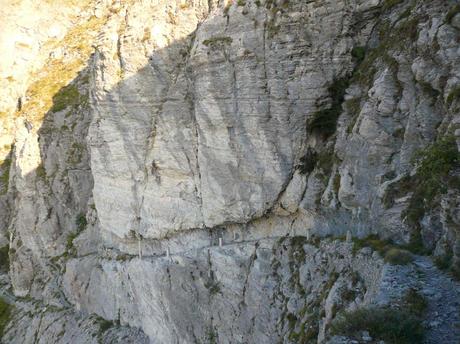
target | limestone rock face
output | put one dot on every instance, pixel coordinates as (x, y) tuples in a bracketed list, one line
[(193, 171)]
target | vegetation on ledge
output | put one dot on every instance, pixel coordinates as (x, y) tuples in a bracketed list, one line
[(394, 326), (5, 315)]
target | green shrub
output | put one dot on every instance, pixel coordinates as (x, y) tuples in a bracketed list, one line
[(372, 241), (66, 96), (358, 53), (4, 259), (396, 256), (390, 325), (211, 42), (69, 245), (443, 262), (436, 163), (415, 302), (324, 121), (212, 336), (326, 159), (81, 222), (40, 171), (5, 315), (213, 287), (428, 89), (446, 263), (5, 165), (432, 179), (308, 162), (104, 325), (452, 13), (397, 190), (453, 95), (387, 4)]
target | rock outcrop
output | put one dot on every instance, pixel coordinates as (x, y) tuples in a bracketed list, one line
[(227, 171)]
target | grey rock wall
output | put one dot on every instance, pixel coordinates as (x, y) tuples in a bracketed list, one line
[(149, 130)]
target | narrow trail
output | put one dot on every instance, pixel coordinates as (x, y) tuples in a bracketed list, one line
[(441, 291), (443, 295)]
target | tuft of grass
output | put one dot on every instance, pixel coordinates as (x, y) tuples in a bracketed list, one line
[(390, 325), (213, 287), (396, 256)]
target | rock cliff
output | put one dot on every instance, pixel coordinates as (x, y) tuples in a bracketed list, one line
[(229, 171)]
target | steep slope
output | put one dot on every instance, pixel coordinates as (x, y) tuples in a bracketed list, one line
[(312, 139)]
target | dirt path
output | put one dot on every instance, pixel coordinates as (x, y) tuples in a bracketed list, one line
[(442, 292)]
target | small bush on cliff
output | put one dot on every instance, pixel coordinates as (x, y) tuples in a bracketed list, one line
[(437, 172), (443, 262), (433, 178), (5, 176), (66, 96), (391, 325), (453, 95), (308, 162), (81, 222), (372, 241), (387, 4), (396, 256), (452, 13), (436, 163), (415, 302), (324, 121), (5, 315), (4, 259), (358, 53)]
